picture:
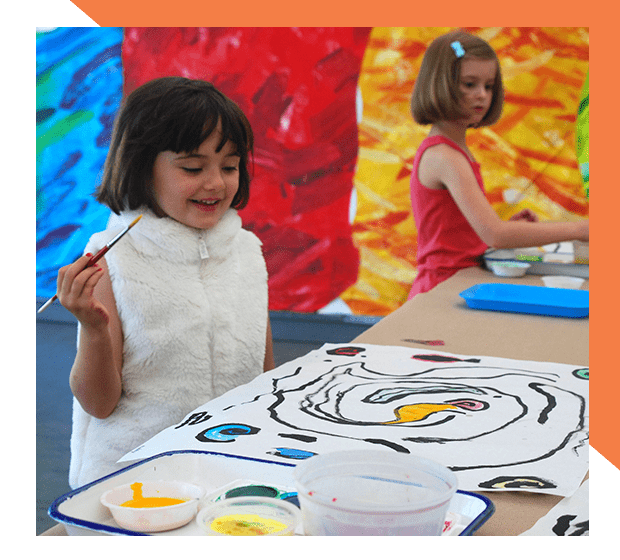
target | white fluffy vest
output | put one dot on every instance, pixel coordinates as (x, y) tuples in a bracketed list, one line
[(193, 307)]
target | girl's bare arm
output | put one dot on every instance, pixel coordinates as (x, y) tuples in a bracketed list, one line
[(453, 171), (95, 377)]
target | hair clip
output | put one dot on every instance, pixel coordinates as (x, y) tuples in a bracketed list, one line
[(458, 49)]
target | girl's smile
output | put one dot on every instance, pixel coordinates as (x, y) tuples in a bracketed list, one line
[(197, 188), (206, 205)]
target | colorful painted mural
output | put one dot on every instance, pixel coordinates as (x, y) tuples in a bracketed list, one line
[(583, 135), (527, 158), (79, 89), (298, 87), (334, 141)]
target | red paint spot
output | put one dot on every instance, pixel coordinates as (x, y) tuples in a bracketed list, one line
[(334, 499)]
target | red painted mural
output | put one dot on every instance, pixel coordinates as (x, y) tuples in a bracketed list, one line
[(298, 88)]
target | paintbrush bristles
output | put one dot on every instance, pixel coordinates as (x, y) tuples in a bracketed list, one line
[(134, 222)]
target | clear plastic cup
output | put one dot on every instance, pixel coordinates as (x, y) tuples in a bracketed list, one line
[(249, 516), (373, 493)]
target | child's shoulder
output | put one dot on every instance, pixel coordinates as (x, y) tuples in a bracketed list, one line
[(440, 140), (442, 161), (442, 148)]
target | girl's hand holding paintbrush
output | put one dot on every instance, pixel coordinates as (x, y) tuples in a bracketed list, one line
[(93, 259), (75, 291), (95, 378), (85, 289)]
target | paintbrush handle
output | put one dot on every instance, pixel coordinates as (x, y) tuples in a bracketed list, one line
[(95, 258), (47, 303)]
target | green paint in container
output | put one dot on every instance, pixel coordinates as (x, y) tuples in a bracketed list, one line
[(253, 490)]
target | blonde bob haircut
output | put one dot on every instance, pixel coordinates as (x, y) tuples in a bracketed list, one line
[(436, 91)]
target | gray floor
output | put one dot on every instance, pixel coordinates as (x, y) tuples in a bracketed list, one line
[(294, 336)]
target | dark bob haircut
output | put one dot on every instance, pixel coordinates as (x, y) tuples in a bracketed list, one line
[(169, 114), (436, 91)]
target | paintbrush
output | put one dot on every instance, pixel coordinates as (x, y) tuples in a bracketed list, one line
[(95, 258)]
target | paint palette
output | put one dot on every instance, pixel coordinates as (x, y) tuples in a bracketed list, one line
[(82, 514)]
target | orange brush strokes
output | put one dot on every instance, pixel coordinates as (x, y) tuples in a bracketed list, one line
[(547, 157), (531, 101), (530, 148), (386, 222), (555, 190)]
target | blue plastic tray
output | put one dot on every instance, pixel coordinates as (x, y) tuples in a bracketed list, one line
[(537, 300)]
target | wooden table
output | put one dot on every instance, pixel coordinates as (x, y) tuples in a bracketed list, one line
[(442, 314)]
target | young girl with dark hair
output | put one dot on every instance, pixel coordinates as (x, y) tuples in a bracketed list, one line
[(177, 313)]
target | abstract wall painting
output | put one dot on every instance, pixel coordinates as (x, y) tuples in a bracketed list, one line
[(335, 141), (79, 90), (499, 424), (298, 88), (527, 158)]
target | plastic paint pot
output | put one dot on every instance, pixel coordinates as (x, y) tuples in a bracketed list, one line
[(249, 516), (373, 493), (253, 490)]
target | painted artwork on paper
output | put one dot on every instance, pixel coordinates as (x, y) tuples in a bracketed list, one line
[(498, 424), (569, 518), (334, 141)]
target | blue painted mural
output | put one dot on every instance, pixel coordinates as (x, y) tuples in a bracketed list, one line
[(79, 89)]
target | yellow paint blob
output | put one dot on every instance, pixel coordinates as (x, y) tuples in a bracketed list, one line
[(415, 412), (139, 501), (246, 524)]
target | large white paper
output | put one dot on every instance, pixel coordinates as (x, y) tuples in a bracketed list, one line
[(499, 424), (569, 518)]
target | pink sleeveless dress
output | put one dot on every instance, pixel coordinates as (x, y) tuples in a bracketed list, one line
[(446, 241)]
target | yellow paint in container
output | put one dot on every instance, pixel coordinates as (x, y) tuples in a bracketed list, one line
[(246, 524), (249, 516), (139, 501)]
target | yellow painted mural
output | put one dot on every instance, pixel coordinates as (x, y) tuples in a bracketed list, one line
[(528, 157)]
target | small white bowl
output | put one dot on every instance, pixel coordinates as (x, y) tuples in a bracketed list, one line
[(154, 519), (511, 269), (271, 509), (570, 282)]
